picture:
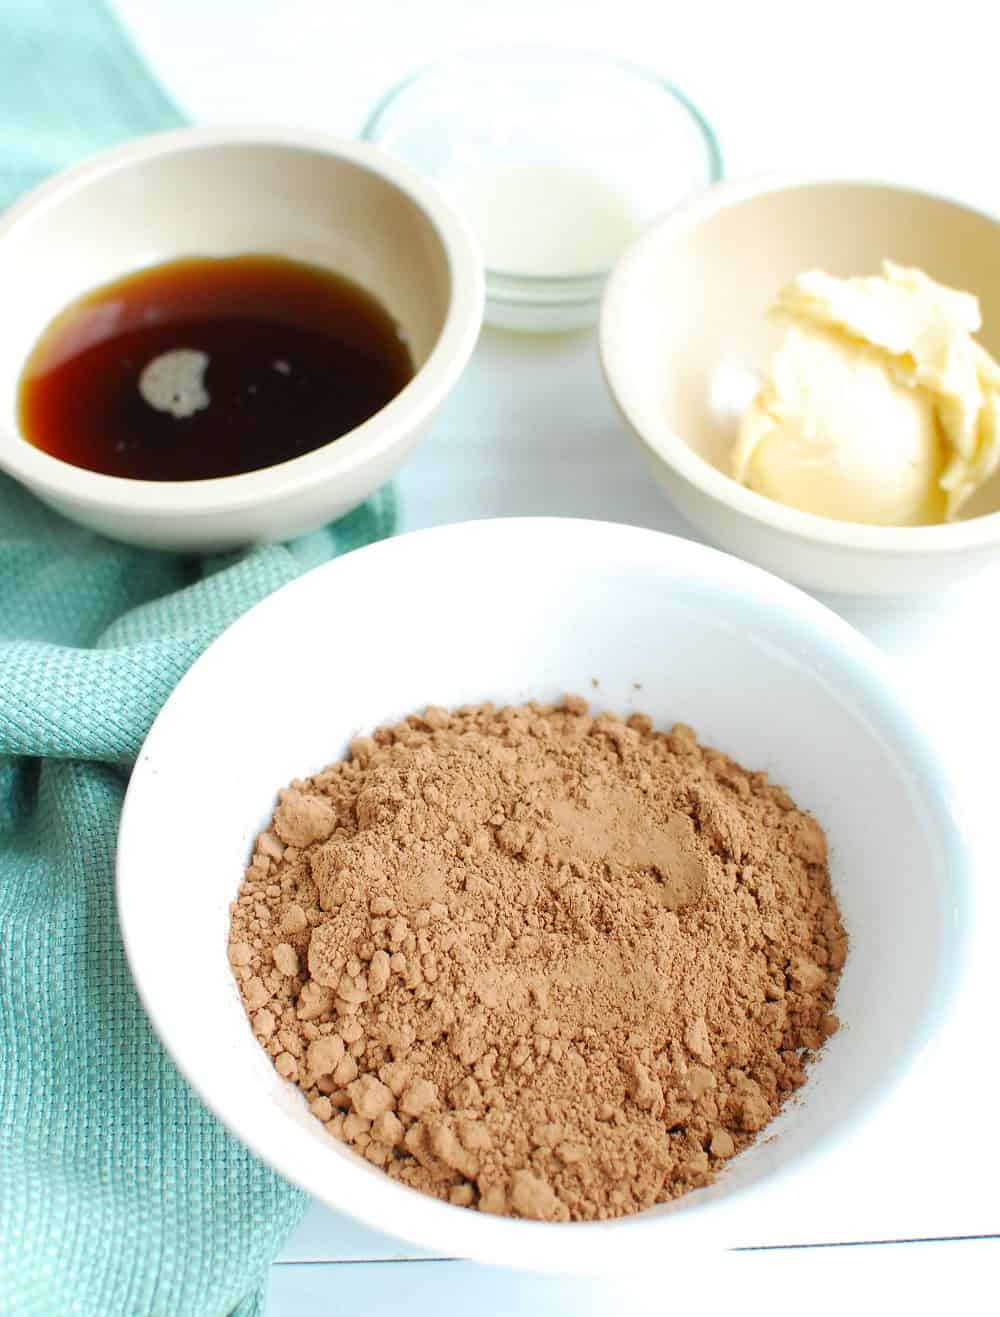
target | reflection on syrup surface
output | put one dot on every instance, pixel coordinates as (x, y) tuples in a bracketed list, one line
[(210, 367)]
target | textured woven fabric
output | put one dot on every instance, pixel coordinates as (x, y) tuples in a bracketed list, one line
[(70, 83), (119, 1193)]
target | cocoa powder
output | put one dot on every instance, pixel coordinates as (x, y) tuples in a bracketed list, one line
[(537, 962)]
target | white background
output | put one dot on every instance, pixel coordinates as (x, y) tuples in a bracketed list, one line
[(906, 91)]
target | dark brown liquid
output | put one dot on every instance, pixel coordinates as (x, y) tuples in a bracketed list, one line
[(296, 356)]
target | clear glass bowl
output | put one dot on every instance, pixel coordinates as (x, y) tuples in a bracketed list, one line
[(558, 158)]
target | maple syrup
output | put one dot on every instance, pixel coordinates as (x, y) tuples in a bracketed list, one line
[(207, 367)]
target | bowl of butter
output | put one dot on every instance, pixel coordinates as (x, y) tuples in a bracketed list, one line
[(812, 370)]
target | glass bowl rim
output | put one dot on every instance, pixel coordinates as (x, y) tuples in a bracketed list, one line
[(560, 283)]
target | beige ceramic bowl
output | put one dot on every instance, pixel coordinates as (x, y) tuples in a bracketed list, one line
[(223, 192), (683, 326)]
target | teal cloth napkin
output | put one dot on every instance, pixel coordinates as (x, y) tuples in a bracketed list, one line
[(119, 1193), (70, 83)]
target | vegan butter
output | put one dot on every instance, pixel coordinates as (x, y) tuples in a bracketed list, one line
[(879, 406)]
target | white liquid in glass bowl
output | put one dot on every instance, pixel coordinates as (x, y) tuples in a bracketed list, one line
[(557, 159)]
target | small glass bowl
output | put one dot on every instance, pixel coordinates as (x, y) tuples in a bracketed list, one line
[(521, 138)]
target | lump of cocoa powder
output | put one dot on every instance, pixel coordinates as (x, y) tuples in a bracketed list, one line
[(537, 962)]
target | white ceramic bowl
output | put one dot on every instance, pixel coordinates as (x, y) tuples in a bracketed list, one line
[(683, 322), (224, 192), (509, 610)]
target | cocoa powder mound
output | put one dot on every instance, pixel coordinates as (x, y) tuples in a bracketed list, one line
[(537, 962)]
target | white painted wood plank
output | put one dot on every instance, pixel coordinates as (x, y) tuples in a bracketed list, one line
[(827, 1282)]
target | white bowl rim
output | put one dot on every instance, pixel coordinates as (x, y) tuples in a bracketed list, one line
[(391, 1207), (416, 402), (670, 448)]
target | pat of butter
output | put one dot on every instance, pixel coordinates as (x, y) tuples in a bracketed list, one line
[(831, 433), (880, 407)]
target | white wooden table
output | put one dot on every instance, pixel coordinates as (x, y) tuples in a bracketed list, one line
[(908, 1210)]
